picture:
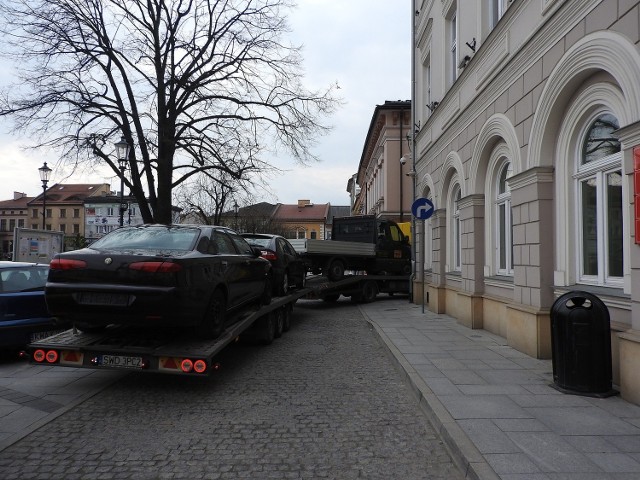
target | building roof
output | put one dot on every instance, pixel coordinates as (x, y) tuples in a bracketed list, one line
[(300, 212), (338, 211), (20, 203), (64, 193)]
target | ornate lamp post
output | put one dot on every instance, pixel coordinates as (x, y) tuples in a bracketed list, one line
[(122, 152), (45, 174)]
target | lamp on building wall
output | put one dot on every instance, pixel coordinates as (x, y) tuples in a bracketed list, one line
[(122, 152), (45, 174)]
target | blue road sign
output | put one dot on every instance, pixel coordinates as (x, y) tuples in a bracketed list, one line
[(422, 208)]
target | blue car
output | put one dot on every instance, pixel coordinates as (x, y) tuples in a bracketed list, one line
[(23, 312)]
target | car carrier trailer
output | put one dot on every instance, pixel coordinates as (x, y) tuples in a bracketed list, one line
[(165, 351)]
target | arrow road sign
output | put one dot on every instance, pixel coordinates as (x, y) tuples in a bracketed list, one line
[(422, 208)]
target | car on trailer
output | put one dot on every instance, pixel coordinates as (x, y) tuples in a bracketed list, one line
[(289, 270), (158, 276)]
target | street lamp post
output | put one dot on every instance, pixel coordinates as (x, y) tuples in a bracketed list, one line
[(45, 174), (235, 210), (122, 152)]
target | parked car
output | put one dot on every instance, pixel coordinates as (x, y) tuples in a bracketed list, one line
[(159, 276), (289, 269), (23, 312)]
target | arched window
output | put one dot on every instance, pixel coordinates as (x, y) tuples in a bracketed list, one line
[(599, 205), (504, 224)]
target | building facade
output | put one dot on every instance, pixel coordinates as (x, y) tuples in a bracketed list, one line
[(102, 215), (383, 187), (13, 213), (527, 137)]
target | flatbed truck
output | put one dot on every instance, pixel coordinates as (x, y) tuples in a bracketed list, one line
[(165, 351)]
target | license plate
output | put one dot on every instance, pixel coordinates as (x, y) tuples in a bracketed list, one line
[(120, 361), (96, 298), (37, 336)]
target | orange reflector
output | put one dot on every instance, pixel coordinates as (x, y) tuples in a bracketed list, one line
[(38, 356), (52, 356), (200, 366), (186, 365)]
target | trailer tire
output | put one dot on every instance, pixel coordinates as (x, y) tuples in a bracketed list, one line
[(212, 324), (278, 318), (286, 319), (267, 329), (335, 270)]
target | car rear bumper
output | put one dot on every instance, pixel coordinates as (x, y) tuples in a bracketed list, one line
[(97, 304), (18, 333)]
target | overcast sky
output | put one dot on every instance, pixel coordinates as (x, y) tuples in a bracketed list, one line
[(363, 45)]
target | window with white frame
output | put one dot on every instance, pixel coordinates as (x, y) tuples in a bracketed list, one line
[(453, 47), (455, 257), (599, 183), (496, 10), (504, 224), (427, 86)]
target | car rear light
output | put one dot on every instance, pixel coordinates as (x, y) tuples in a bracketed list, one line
[(67, 264), (156, 267), (268, 255)]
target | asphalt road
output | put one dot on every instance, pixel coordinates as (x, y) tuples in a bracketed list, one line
[(322, 402)]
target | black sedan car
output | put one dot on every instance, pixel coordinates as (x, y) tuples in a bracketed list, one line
[(23, 312), (159, 276), (289, 269)]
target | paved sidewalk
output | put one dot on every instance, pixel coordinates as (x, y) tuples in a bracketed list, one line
[(33, 395), (495, 408)]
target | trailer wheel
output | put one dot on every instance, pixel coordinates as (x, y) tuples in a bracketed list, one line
[(267, 329), (286, 317), (335, 270), (279, 323), (369, 291), (212, 324)]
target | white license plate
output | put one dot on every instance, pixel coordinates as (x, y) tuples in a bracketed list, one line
[(120, 361)]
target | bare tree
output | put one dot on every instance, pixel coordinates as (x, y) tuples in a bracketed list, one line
[(196, 86)]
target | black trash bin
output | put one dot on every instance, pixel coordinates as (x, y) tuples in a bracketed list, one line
[(581, 345)]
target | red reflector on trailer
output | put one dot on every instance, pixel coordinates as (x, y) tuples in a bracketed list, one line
[(156, 267), (66, 264), (200, 366), (52, 356), (186, 365), (39, 355)]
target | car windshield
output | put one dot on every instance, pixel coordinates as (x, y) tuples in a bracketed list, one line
[(156, 238), (21, 279), (257, 241)]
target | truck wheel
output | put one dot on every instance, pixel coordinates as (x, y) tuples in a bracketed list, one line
[(369, 291), (212, 324), (335, 271), (267, 329)]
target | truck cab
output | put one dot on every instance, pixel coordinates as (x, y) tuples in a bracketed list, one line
[(392, 247)]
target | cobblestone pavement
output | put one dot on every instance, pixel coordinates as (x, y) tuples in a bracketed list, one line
[(322, 402)]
